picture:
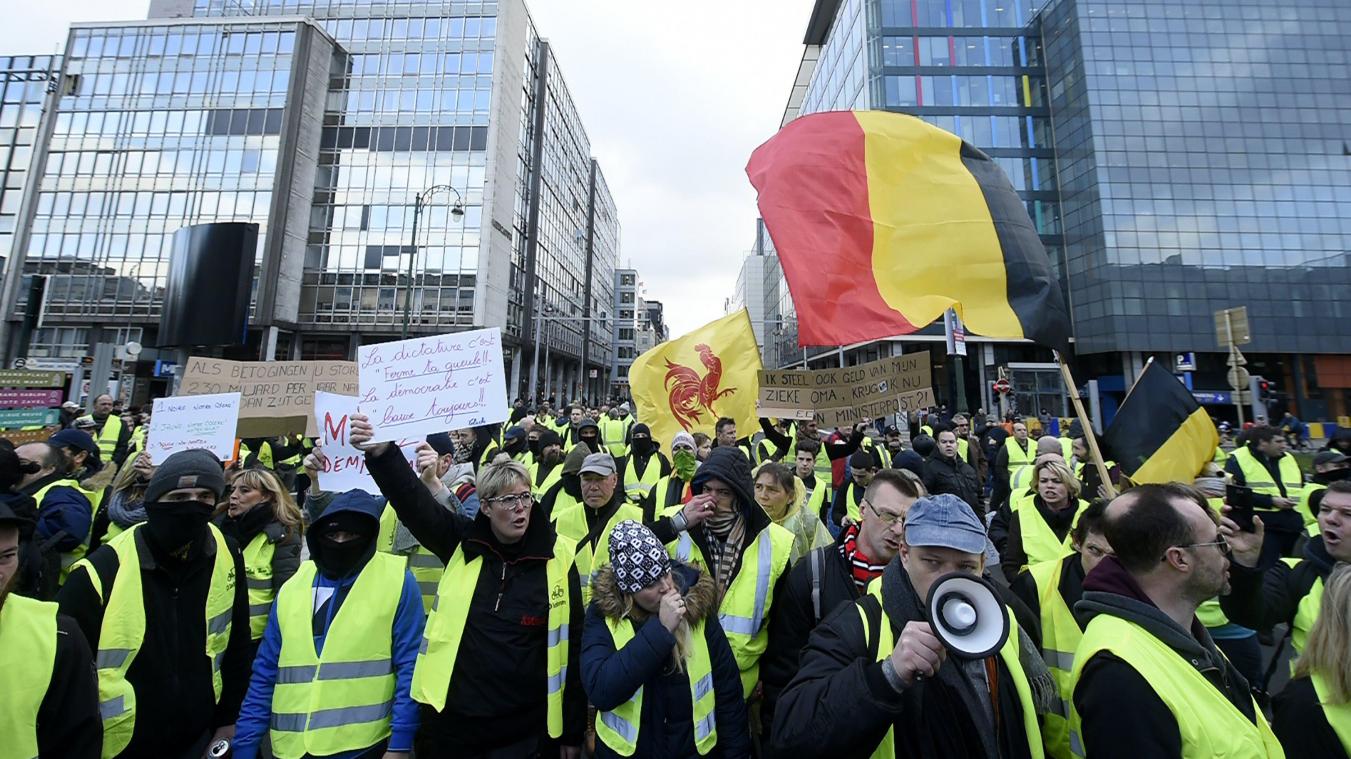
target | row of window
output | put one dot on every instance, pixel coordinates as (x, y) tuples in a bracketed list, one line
[(390, 29), (387, 139), (958, 51), (432, 101), (1000, 91), (141, 43), (406, 64), (184, 164), (199, 82), (961, 13)]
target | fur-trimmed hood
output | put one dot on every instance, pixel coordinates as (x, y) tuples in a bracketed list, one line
[(701, 595)]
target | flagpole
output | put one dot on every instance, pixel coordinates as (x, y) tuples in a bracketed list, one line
[(1089, 437)]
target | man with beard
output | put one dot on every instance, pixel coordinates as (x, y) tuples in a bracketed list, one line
[(545, 471), (51, 707), (164, 606), (645, 465), (1144, 654)]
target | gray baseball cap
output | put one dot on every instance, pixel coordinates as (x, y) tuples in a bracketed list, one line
[(944, 520), (598, 463)]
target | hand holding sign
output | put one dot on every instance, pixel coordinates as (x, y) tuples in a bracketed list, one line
[(361, 433), (200, 421), (340, 464)]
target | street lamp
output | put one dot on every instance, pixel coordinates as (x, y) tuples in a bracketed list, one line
[(456, 211)]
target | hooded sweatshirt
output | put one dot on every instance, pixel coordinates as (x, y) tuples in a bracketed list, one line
[(1109, 687), (330, 592)]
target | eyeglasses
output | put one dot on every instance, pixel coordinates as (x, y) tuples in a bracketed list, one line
[(514, 503), (890, 520), (1219, 543)]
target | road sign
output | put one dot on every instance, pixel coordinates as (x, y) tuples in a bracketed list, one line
[(1231, 327), (20, 363), (24, 378), (11, 420), (1002, 386), (1185, 362), (1238, 378), (30, 398), (1215, 397)]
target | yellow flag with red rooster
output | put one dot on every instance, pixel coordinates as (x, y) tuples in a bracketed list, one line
[(693, 381)]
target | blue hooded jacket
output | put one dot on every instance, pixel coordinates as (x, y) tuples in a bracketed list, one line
[(256, 711)]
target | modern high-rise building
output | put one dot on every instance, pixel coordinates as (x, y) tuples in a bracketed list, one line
[(24, 82), (324, 123), (1196, 153)]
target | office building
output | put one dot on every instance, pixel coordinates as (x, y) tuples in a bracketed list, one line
[(1176, 159), (24, 82), (324, 123)]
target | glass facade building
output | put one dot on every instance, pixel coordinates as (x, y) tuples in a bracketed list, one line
[(24, 84), (1176, 158), (218, 110)]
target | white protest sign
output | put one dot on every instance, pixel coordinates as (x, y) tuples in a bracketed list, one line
[(345, 466), (193, 421), (412, 388)]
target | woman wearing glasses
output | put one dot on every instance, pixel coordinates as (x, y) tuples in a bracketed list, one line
[(497, 675)]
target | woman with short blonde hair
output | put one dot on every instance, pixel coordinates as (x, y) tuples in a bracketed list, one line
[(262, 517), (1039, 522)]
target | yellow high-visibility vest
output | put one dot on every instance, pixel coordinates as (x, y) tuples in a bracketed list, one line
[(425, 566), (1259, 478), (1019, 458), (108, 436), (612, 433), (28, 658), (1306, 611), (341, 699), (1060, 635), (123, 631), (258, 579), (1209, 724), (68, 558), (635, 487), (570, 523), (618, 729), (886, 641), (745, 608), (445, 627), (1338, 714), (1039, 540)]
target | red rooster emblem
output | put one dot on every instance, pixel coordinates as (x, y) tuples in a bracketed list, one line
[(690, 395)]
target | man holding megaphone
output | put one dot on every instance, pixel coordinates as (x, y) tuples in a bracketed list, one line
[(929, 663)]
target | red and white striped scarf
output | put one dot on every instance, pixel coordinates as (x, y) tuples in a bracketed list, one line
[(860, 566)]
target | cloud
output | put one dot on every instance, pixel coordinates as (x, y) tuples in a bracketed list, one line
[(674, 98)]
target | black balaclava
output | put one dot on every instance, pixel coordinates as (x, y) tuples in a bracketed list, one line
[(533, 446), (175, 525), (641, 440), (515, 446), (336, 559)]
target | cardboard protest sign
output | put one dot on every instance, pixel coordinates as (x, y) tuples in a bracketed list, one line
[(841, 397), (276, 397), (200, 421), (412, 388), (344, 466)]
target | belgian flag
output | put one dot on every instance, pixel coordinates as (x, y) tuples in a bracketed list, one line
[(1160, 433), (882, 222)]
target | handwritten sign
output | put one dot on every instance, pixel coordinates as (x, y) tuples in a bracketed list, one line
[(416, 387), (345, 466), (276, 397), (200, 421), (840, 397)]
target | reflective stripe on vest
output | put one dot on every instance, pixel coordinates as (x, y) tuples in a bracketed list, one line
[(123, 631), (1306, 612), (108, 436), (886, 641), (618, 729), (1039, 540), (28, 649), (571, 523), (258, 573), (612, 433), (1019, 458), (1060, 635), (68, 558), (445, 627), (339, 700), (746, 604), (1338, 714), (1258, 477), (1209, 724), (540, 488), (637, 488)]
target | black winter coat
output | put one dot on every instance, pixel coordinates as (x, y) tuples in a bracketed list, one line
[(175, 701), (956, 477), (611, 677), (497, 692)]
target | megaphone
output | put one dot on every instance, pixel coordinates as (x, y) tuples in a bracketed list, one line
[(967, 615)]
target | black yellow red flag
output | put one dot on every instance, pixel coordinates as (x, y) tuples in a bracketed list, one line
[(1160, 433)]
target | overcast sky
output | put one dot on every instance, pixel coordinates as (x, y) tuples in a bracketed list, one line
[(675, 96)]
